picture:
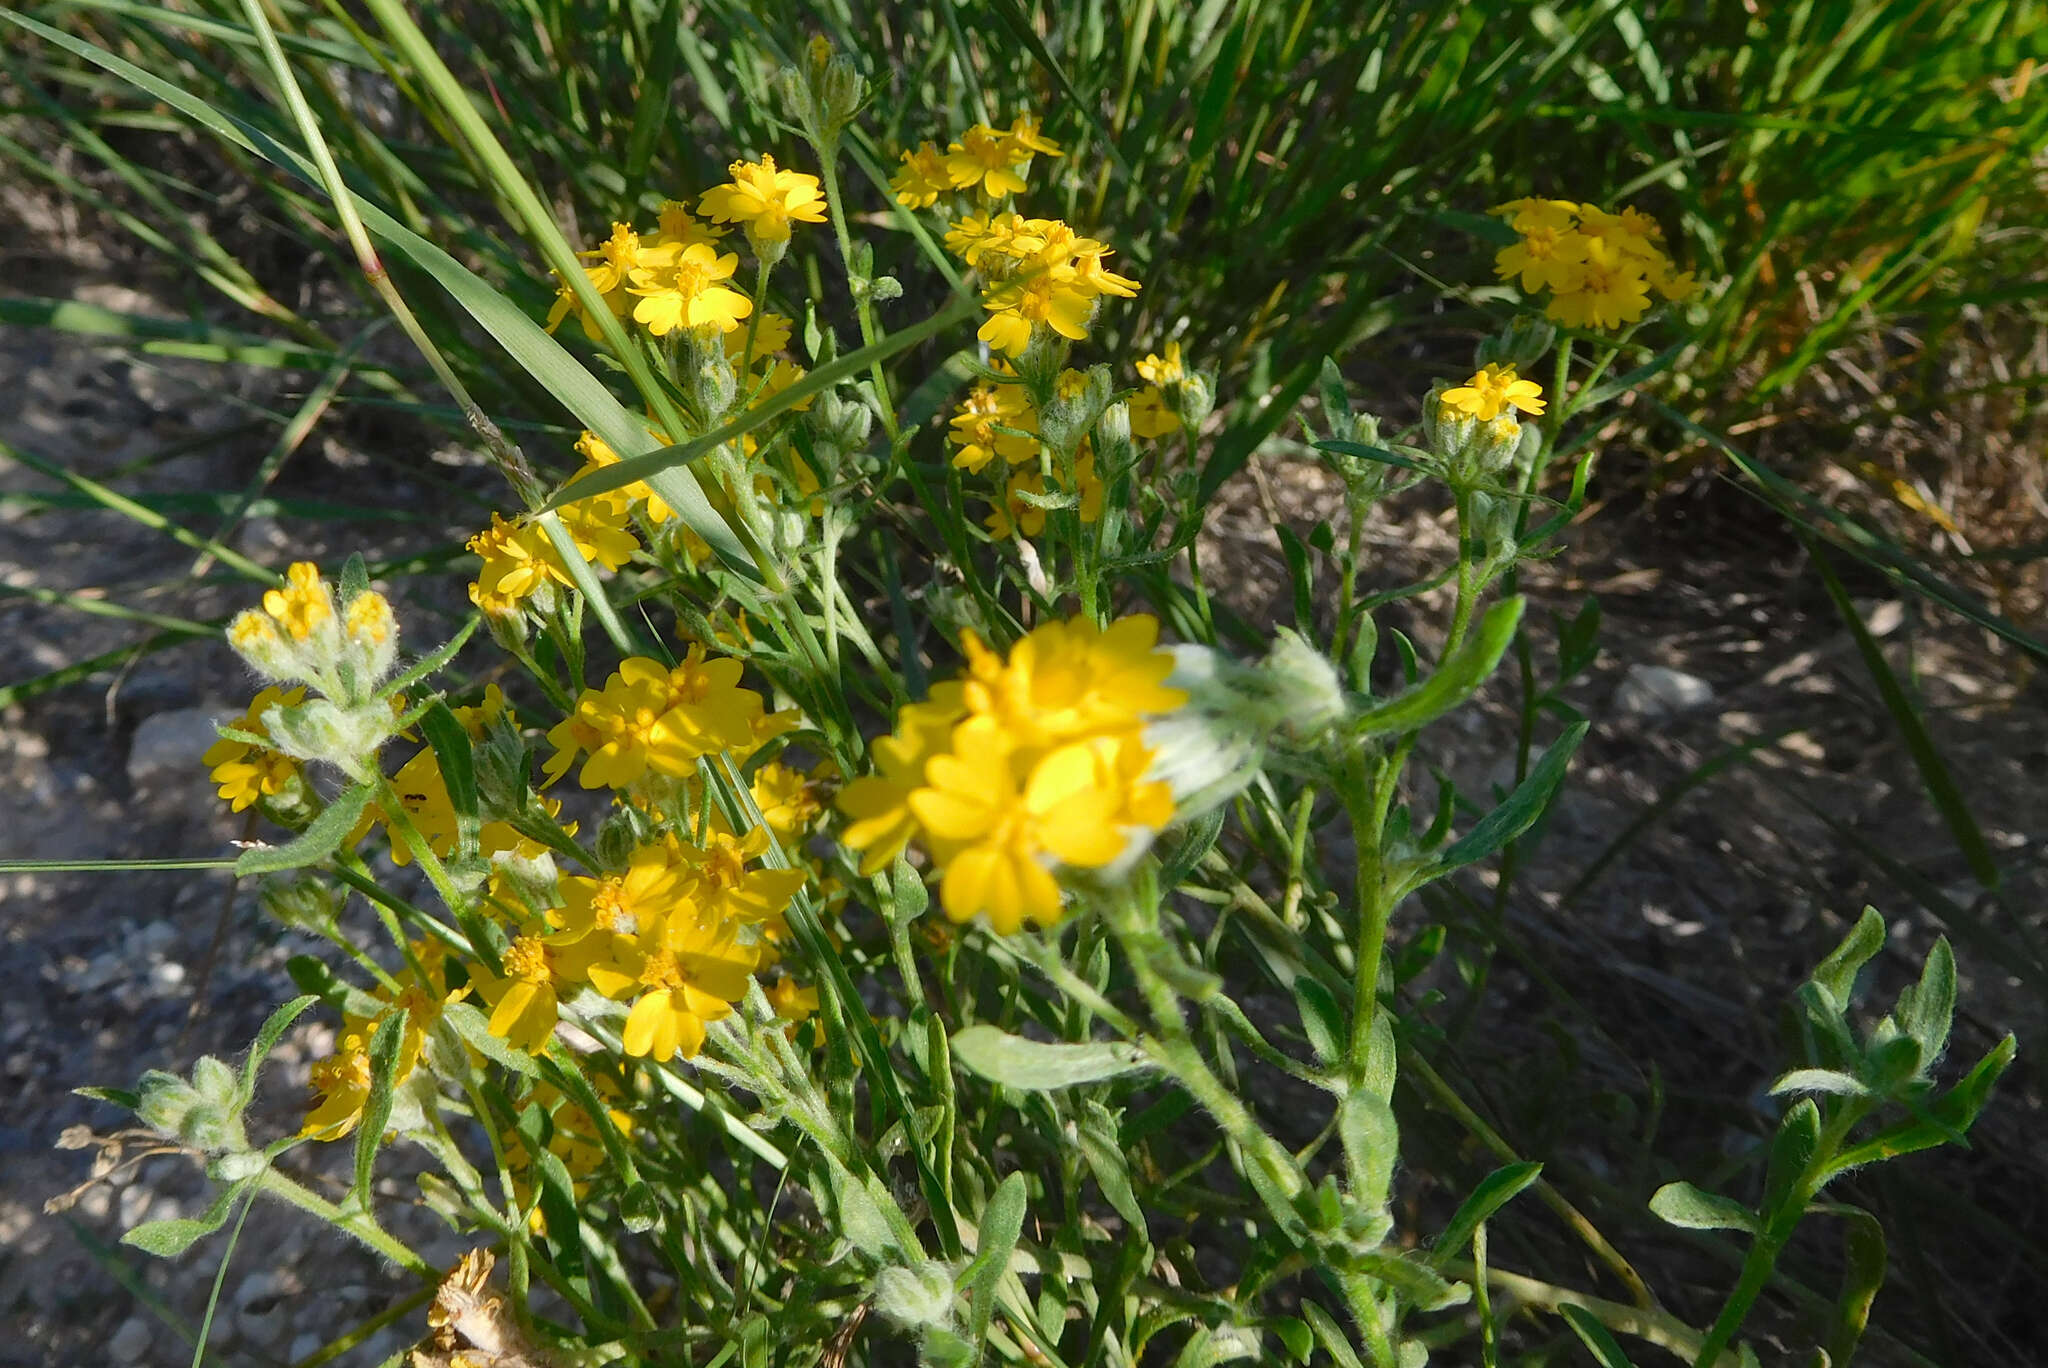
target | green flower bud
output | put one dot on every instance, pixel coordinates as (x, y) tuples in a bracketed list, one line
[(916, 1298)]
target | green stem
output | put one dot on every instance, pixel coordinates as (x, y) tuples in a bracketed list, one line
[(359, 1224), (1660, 1328), (1762, 1259), (863, 307)]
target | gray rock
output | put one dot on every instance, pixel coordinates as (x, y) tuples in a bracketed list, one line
[(263, 1308), (131, 1342), (1659, 691), (168, 745)]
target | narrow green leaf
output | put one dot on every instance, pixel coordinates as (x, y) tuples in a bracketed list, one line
[(1927, 1010), (274, 1027), (1693, 1208), (319, 840), (1827, 1081), (120, 1097), (1495, 1191), (1002, 1221), (1792, 1153), (432, 662), (1036, 1066), (453, 752), (1863, 1267), (1369, 453), (475, 1029), (1103, 1150), (1837, 973), (1521, 809), (386, 1043), (1594, 1335)]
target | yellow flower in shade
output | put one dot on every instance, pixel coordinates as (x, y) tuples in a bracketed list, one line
[(1612, 291), (721, 885), (1016, 515), (1050, 298), (248, 774), (993, 420), (878, 803), (679, 229), (765, 200), (788, 801), (304, 605), (792, 1002), (987, 160), (686, 293), (977, 241), (1067, 680), (997, 826), (921, 179), (771, 335), (342, 1080), (1530, 213), (681, 977), (1630, 233), (566, 302), (1023, 135), (517, 560), (597, 454), (1150, 417), (1494, 388), (621, 254), (1091, 276)]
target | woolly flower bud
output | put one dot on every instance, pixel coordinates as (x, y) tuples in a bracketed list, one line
[(347, 738), (372, 632), (202, 1113), (256, 639), (840, 422), (1446, 431), (1196, 400), (916, 1298), (1211, 749)]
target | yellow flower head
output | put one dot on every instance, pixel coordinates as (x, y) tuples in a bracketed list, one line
[(1493, 389), (1072, 679), (686, 292), (679, 229), (878, 803), (1613, 290), (922, 178), (304, 605), (988, 160), (765, 200), (1163, 370), (248, 774)]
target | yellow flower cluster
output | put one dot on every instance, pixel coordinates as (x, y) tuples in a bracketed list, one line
[(298, 634), (654, 717), (1042, 274), (1028, 762), (520, 561), (1599, 268), (992, 161), (675, 277)]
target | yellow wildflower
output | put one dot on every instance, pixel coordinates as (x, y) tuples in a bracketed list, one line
[(304, 605), (922, 178), (1072, 679), (988, 160), (681, 976), (1612, 291), (1495, 387), (765, 200), (686, 292), (247, 774), (878, 803), (1051, 298), (1163, 370)]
